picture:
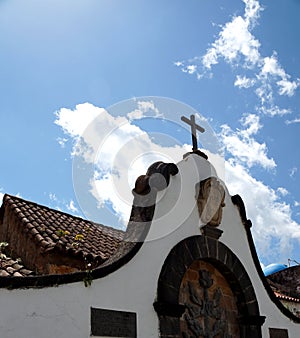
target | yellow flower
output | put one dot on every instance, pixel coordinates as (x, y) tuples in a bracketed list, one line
[(79, 237)]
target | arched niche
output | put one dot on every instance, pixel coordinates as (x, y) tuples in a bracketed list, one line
[(203, 274)]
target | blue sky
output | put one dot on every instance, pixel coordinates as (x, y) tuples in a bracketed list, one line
[(236, 63)]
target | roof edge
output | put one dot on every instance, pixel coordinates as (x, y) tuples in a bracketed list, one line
[(141, 217), (238, 201)]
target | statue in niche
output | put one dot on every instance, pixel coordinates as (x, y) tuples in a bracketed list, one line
[(210, 196)]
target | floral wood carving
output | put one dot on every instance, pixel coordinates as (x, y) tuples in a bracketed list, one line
[(210, 200), (205, 316)]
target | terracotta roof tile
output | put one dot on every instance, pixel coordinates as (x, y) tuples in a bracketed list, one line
[(55, 230), (11, 267), (288, 298)]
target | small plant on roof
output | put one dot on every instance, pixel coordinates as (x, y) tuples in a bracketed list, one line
[(62, 233), (88, 279), (3, 245), (79, 237), (87, 228)]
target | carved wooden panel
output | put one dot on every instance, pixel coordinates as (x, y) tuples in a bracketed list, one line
[(211, 310)]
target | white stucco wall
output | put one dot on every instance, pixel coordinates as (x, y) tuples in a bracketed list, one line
[(64, 311)]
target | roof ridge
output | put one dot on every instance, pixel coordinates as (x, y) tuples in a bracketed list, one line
[(42, 205), (52, 229), (108, 227), (6, 196)]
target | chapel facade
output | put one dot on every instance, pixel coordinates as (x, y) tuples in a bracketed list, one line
[(186, 266)]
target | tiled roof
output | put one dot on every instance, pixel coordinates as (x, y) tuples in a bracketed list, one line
[(55, 230), (11, 267), (284, 297), (281, 290)]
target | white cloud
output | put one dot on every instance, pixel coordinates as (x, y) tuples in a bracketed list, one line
[(125, 152), (296, 120), (267, 212), (178, 63), (53, 197), (293, 171), (287, 87), (143, 107), (237, 46), (270, 77), (1, 197), (115, 186), (270, 66), (62, 141), (234, 40), (274, 110), (242, 145), (244, 82), (62, 204), (252, 124), (89, 126), (282, 191), (71, 206), (252, 11), (79, 121), (191, 69), (118, 150)]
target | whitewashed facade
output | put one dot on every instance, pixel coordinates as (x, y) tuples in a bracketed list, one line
[(64, 310)]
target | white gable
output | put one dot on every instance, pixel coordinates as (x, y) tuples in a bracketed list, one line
[(65, 311)]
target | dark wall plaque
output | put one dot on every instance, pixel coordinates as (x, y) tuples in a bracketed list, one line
[(111, 323), (278, 333)]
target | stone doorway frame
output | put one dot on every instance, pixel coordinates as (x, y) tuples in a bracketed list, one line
[(222, 258)]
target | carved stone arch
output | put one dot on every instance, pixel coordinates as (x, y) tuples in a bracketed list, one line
[(205, 249)]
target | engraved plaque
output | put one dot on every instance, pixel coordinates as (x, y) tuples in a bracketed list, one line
[(278, 333), (111, 323)]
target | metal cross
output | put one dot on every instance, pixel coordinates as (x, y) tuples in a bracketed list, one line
[(194, 128)]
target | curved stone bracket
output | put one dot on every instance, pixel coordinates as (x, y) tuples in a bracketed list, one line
[(157, 177)]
